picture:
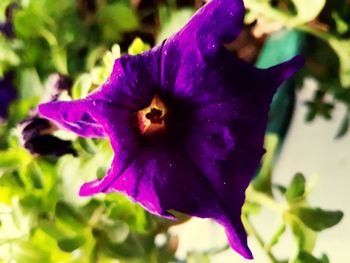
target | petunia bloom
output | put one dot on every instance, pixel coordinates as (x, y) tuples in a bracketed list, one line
[(186, 121)]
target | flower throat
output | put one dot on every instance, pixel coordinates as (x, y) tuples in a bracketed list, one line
[(150, 120)]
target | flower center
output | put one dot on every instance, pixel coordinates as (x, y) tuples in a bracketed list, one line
[(151, 118)]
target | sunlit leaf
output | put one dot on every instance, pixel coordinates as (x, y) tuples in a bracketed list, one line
[(342, 48), (70, 244), (69, 216), (197, 257), (82, 86), (137, 47), (307, 10), (25, 252), (344, 126), (117, 231), (296, 188), (173, 22), (305, 257), (318, 219), (305, 237), (50, 227)]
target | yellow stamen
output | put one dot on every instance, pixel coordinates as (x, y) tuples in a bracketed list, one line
[(151, 119)]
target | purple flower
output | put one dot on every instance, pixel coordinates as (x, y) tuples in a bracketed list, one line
[(36, 137), (186, 121), (7, 94), (7, 27)]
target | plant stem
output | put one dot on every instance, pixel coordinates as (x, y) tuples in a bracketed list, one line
[(219, 250), (253, 232), (255, 196)]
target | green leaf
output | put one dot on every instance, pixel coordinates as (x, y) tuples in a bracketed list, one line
[(30, 84), (324, 259), (342, 48), (59, 58), (307, 10), (117, 231), (277, 235), (71, 243), (69, 216), (117, 18), (87, 145), (50, 228), (196, 257), (32, 176), (318, 219), (127, 211), (25, 252), (29, 21), (344, 126), (304, 236), (7, 56), (82, 86), (251, 208), (262, 182), (110, 56), (99, 75), (130, 248), (137, 47), (13, 158), (305, 257), (171, 23), (296, 188), (341, 25)]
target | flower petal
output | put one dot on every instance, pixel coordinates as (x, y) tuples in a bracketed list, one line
[(218, 22), (74, 116), (117, 124), (284, 71), (164, 178), (190, 56), (133, 81)]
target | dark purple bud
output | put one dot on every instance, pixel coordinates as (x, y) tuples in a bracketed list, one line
[(6, 27), (36, 137), (8, 93), (49, 145), (9, 11)]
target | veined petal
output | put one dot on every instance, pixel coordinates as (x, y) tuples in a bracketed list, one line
[(163, 178), (133, 80), (189, 57), (281, 72), (74, 116), (218, 22), (117, 124)]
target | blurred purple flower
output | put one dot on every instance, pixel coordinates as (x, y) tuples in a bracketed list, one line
[(6, 27), (8, 93), (37, 138), (186, 121)]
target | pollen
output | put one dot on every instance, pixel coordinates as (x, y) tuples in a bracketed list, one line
[(151, 120)]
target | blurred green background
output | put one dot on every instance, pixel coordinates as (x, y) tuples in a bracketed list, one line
[(65, 49)]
